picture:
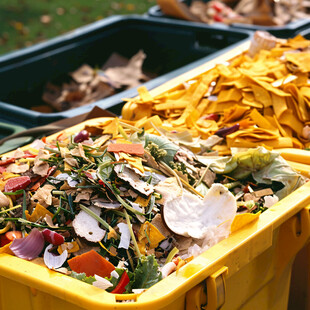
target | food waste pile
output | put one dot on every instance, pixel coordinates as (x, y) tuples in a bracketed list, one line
[(121, 204)]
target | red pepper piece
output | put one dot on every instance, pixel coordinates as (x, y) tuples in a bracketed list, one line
[(101, 183), (68, 222), (218, 6), (14, 184), (7, 161), (27, 154), (9, 237), (120, 288), (212, 117), (53, 237), (217, 18), (2, 169)]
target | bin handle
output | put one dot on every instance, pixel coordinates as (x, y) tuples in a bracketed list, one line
[(293, 236), (209, 294)]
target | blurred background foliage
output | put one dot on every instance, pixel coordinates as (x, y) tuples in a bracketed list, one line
[(26, 22)]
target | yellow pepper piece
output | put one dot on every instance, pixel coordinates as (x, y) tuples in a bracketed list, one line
[(38, 213)]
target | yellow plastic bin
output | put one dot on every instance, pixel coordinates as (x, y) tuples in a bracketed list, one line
[(251, 269)]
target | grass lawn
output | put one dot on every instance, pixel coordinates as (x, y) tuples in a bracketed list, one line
[(26, 22)]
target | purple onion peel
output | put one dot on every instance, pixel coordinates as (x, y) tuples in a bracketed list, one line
[(223, 132), (29, 247)]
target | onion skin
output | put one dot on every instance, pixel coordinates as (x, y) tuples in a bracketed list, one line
[(223, 132), (29, 247), (81, 136), (54, 261)]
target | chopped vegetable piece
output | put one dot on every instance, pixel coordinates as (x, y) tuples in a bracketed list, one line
[(53, 237), (212, 116), (9, 237), (121, 286), (133, 149), (81, 136), (223, 132), (91, 263), (29, 247), (17, 183), (7, 161)]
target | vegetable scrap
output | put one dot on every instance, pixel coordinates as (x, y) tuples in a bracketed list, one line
[(261, 97), (124, 204), (87, 84)]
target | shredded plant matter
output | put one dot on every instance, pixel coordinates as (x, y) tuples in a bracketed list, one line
[(261, 97), (120, 208)]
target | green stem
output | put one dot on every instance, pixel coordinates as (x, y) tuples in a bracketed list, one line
[(172, 253), (24, 205), (51, 150), (10, 209)]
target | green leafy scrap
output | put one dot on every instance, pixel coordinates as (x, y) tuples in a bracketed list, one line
[(82, 277), (146, 273)]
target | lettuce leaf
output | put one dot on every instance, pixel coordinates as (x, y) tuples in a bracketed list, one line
[(146, 273), (83, 277), (241, 164), (279, 171)]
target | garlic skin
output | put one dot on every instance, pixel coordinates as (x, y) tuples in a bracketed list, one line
[(168, 269), (54, 261), (125, 235), (102, 282)]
